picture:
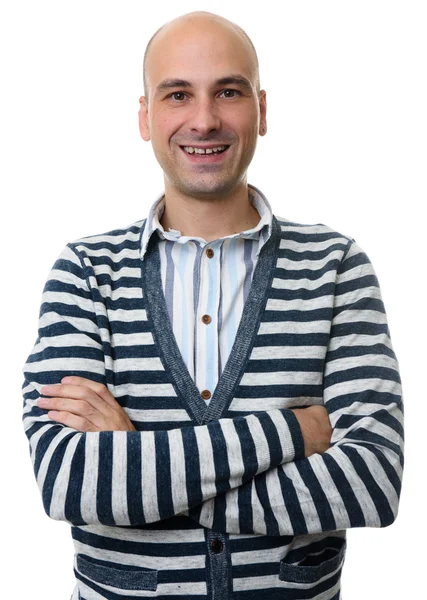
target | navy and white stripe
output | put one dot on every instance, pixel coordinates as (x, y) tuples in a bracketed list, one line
[(146, 506)]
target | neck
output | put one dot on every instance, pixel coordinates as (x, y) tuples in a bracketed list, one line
[(209, 218)]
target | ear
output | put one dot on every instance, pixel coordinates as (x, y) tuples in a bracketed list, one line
[(263, 112), (144, 130)]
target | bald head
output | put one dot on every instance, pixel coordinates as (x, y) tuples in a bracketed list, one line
[(200, 20)]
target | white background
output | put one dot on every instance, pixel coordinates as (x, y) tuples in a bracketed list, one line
[(346, 146)]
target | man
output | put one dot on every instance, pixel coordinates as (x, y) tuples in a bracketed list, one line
[(224, 399)]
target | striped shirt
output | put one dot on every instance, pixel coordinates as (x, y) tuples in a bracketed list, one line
[(218, 500), (202, 279)]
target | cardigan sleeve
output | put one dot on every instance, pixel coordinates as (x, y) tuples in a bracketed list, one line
[(357, 481), (137, 477)]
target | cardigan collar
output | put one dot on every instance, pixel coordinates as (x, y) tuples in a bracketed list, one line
[(262, 231), (159, 324)]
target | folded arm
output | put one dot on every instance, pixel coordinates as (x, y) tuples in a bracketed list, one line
[(129, 477), (357, 481)]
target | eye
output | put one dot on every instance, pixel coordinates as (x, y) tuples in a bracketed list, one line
[(177, 94), (234, 92)]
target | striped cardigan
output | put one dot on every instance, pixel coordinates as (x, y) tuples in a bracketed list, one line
[(218, 501)]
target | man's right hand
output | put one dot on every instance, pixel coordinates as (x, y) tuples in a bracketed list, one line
[(315, 427)]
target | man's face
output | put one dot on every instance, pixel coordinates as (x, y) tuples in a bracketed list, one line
[(202, 93)]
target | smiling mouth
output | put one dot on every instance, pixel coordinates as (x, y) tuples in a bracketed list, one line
[(194, 151)]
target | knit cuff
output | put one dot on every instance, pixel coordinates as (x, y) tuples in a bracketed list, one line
[(295, 441)]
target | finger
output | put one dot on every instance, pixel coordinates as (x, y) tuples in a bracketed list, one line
[(71, 420), (100, 389), (77, 392), (78, 408)]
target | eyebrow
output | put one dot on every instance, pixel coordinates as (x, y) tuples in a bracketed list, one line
[(237, 79)]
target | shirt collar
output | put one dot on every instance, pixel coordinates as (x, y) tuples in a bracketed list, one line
[(261, 231)]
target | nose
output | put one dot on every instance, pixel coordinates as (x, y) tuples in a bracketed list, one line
[(205, 117)]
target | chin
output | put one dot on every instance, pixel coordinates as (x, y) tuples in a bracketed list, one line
[(208, 189)]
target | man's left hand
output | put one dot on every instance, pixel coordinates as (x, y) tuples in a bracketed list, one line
[(84, 405)]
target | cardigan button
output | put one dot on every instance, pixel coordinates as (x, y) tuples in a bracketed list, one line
[(216, 545), (206, 394), (209, 253), (206, 319)]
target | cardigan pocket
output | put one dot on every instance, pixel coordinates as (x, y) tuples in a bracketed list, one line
[(105, 575), (318, 573)]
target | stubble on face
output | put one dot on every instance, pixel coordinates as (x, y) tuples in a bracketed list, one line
[(207, 181)]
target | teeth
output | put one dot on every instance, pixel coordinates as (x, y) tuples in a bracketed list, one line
[(192, 150)]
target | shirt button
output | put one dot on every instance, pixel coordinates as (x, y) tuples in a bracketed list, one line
[(206, 319), (209, 252), (216, 545), (206, 394)]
